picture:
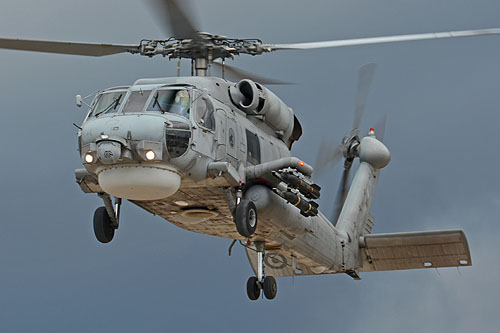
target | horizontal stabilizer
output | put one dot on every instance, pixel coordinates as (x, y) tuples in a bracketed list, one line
[(410, 250)]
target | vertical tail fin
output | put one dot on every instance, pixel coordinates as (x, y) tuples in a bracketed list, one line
[(355, 218)]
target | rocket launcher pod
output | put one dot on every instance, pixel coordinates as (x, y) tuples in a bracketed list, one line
[(307, 208), (310, 191)]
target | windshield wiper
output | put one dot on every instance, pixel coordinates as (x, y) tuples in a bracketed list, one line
[(158, 103), (115, 103)]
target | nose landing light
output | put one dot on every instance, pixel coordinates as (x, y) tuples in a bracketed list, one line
[(89, 158), (150, 150), (150, 155)]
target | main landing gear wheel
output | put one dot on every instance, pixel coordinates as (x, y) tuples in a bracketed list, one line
[(253, 288), (246, 218), (103, 228), (270, 287), (261, 281)]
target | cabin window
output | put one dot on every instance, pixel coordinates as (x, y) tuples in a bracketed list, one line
[(205, 114), (253, 148), (171, 101), (108, 102), (136, 101)]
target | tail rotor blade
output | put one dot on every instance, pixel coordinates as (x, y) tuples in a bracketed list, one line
[(342, 194), (327, 157), (365, 78), (380, 128)]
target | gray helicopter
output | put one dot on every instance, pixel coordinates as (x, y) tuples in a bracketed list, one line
[(214, 157)]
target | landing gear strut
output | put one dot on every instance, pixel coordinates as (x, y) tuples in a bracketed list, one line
[(267, 283), (106, 219)]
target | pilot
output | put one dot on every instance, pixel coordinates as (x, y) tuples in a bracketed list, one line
[(181, 103), (171, 101)]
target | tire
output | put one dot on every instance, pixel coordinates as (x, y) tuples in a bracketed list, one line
[(253, 290), (103, 229), (270, 287), (246, 218)]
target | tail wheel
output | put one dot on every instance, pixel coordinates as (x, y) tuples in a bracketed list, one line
[(253, 288), (246, 218), (270, 287), (103, 229)]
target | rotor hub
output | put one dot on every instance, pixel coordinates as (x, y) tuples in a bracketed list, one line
[(205, 45), (350, 147)]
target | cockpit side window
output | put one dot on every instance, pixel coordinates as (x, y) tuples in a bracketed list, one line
[(171, 101), (108, 102), (205, 113), (136, 101)]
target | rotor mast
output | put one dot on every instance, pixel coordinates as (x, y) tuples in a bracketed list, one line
[(201, 66)]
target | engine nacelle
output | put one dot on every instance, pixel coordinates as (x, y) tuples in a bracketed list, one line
[(254, 99)]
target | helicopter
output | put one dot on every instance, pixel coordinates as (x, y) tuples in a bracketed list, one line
[(214, 157)]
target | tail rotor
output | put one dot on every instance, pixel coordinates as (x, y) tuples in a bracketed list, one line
[(329, 155)]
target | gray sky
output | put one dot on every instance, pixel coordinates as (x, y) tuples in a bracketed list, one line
[(442, 102)]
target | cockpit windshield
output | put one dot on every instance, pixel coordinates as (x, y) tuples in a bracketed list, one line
[(171, 101), (136, 101), (108, 102)]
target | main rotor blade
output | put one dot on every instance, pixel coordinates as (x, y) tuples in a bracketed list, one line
[(237, 74), (379, 40), (180, 19), (365, 78), (84, 49)]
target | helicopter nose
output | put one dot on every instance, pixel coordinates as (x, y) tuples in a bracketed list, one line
[(131, 163), (123, 176)]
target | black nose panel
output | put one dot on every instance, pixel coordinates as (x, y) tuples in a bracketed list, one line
[(177, 137)]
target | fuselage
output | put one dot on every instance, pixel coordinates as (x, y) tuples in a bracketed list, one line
[(179, 147)]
